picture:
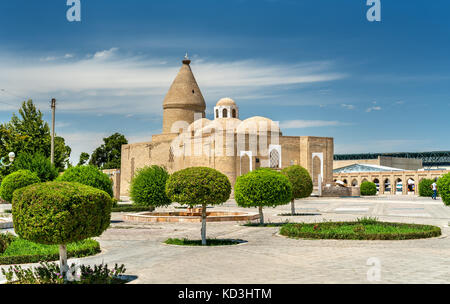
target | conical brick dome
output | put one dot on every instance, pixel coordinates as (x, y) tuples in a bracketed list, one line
[(184, 90), (184, 102)]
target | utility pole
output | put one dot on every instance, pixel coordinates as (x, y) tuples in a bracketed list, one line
[(52, 144)]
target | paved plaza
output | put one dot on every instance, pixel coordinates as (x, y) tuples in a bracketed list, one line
[(270, 258)]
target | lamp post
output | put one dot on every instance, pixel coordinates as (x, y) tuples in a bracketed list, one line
[(11, 157)]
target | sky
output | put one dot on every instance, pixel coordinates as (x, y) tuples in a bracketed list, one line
[(319, 67)]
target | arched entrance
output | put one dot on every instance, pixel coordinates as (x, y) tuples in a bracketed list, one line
[(245, 164), (377, 183), (398, 186), (387, 185), (411, 186), (354, 183), (316, 169)]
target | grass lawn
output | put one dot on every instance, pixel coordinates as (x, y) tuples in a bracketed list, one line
[(359, 230), (209, 242), (21, 251)]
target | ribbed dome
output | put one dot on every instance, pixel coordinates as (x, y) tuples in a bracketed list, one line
[(258, 124), (184, 90), (226, 102)]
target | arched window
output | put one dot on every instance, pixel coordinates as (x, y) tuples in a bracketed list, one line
[(274, 159), (233, 113), (217, 113), (224, 113)]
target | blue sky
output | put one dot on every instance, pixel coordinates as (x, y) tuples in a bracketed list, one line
[(317, 66)]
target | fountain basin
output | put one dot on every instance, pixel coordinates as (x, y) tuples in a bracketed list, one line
[(190, 217)]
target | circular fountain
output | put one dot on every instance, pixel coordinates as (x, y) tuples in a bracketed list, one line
[(191, 216)]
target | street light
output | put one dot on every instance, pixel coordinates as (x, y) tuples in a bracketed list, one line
[(11, 157)]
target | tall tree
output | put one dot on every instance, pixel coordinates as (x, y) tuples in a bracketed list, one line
[(84, 157), (29, 133), (108, 155)]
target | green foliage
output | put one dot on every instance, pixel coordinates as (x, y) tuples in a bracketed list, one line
[(129, 208), (359, 230), (88, 175), (5, 240), (302, 185), (368, 188), (16, 180), (262, 187), (425, 187), (148, 187), (443, 186), (29, 133), (37, 163), (198, 185), (84, 157), (210, 242), (21, 251), (60, 212), (48, 273), (108, 155)]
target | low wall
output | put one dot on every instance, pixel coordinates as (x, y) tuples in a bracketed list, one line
[(338, 191)]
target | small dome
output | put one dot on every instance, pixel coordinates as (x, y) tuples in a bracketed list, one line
[(256, 123), (198, 124), (226, 102)]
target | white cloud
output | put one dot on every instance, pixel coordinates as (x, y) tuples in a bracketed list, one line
[(375, 108), (111, 82), (300, 124), (348, 106)]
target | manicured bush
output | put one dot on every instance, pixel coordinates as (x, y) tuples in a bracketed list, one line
[(425, 187), (302, 185), (263, 187), (148, 187), (16, 180), (368, 188), (443, 186), (38, 164), (60, 213), (88, 175), (359, 230), (199, 186)]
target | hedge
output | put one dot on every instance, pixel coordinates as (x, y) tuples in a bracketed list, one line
[(425, 187), (443, 186), (293, 230), (38, 164), (16, 180), (92, 247), (368, 188), (89, 176), (60, 212), (148, 187)]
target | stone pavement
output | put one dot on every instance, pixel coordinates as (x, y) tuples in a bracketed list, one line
[(270, 258)]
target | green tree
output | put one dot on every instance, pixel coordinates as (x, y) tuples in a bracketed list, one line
[(84, 157), (148, 187), (262, 187), (302, 185), (199, 186), (108, 155), (29, 133), (38, 164)]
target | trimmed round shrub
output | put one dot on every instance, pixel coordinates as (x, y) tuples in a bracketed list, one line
[(148, 187), (425, 187), (89, 176), (17, 180), (60, 212), (263, 187), (368, 188), (199, 185), (443, 186), (302, 185), (38, 164)]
